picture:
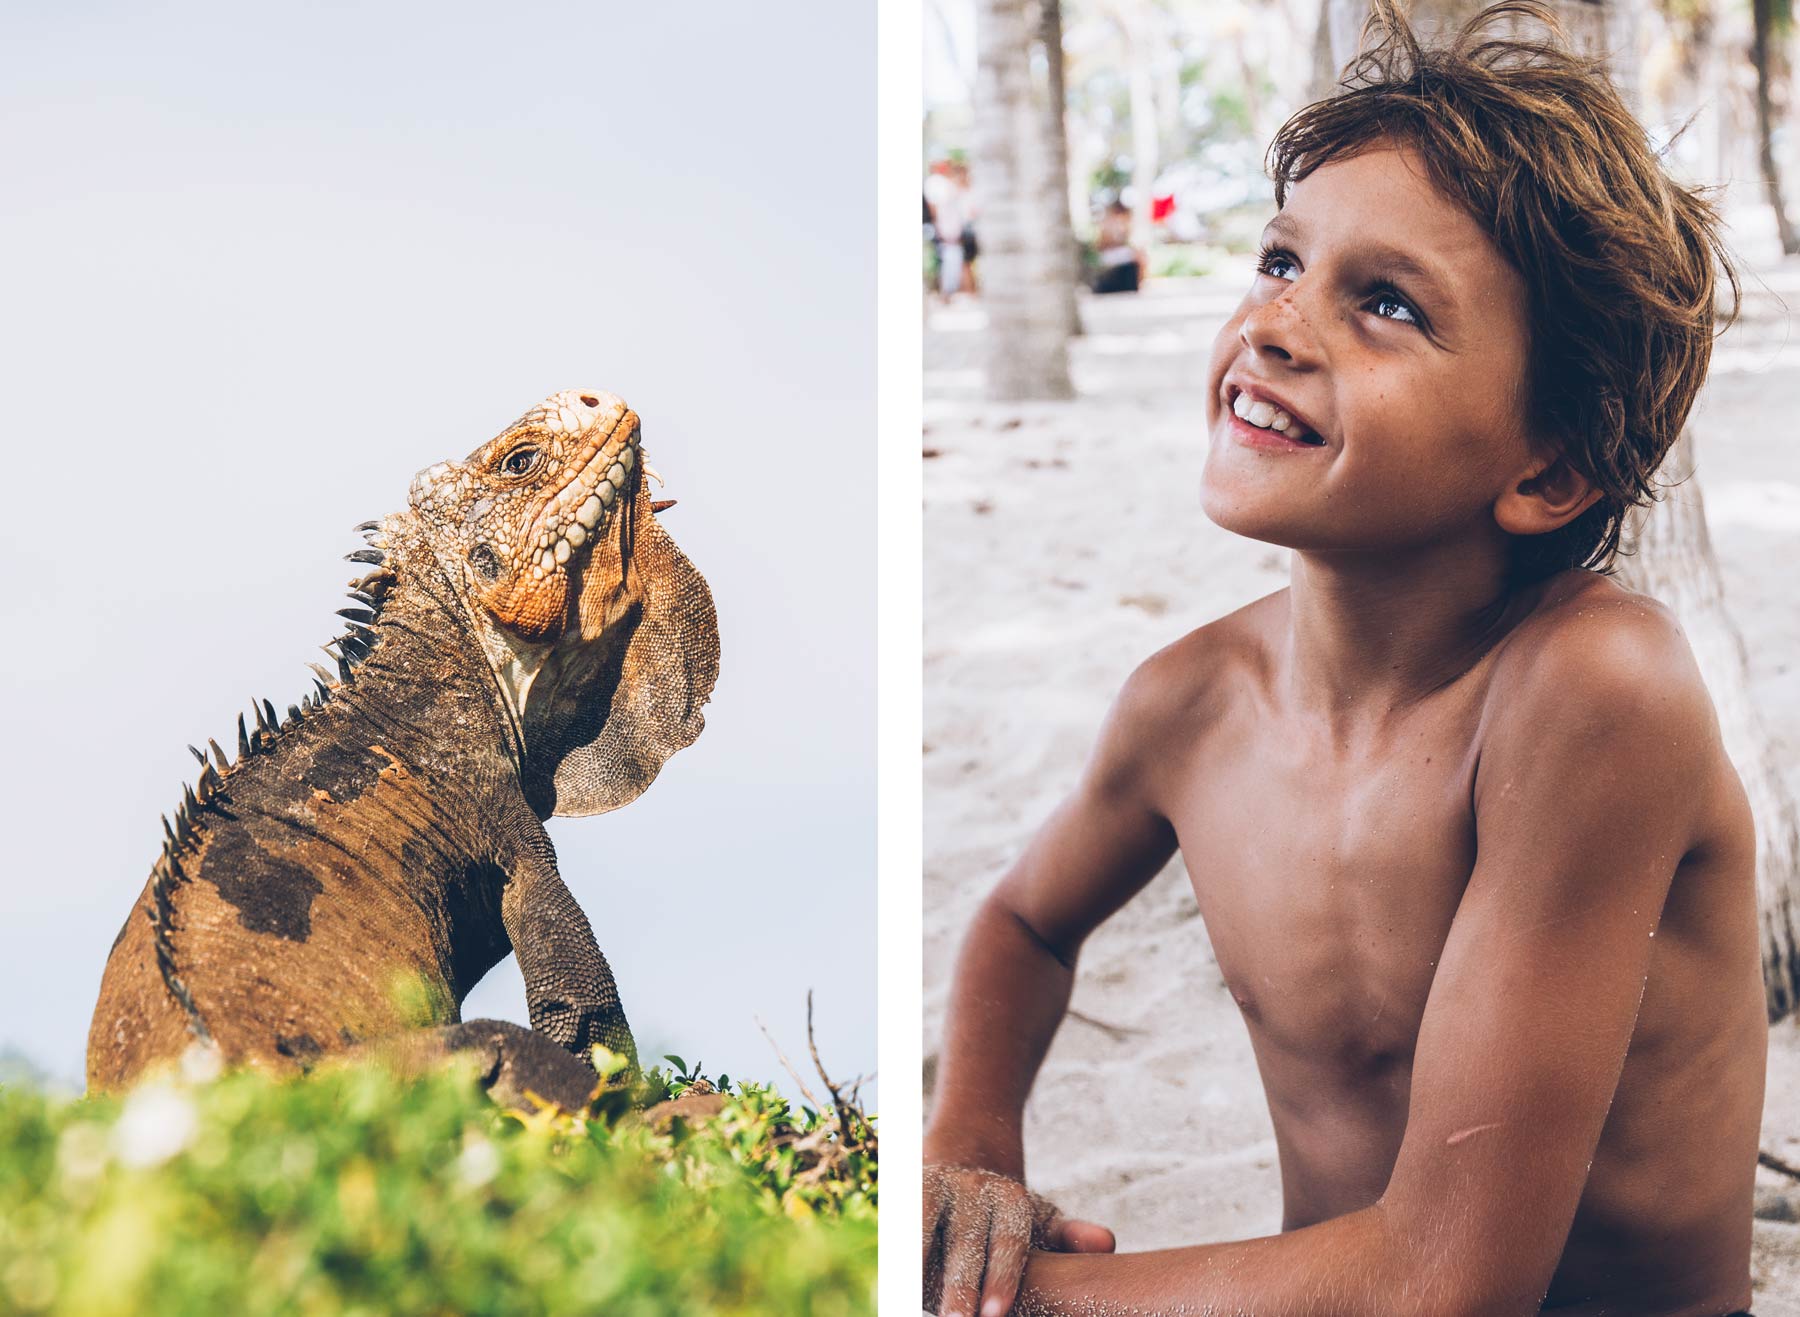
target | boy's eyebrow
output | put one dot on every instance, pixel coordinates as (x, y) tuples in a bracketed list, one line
[(1389, 259)]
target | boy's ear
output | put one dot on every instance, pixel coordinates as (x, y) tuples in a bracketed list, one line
[(1547, 496)]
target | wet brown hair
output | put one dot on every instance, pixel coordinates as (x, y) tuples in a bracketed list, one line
[(1619, 261)]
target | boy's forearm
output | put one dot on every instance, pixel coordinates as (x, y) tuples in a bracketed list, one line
[(1008, 997), (1351, 1266)]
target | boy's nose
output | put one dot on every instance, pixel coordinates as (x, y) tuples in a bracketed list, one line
[(1279, 328)]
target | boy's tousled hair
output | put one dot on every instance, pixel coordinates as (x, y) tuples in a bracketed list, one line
[(1618, 259)]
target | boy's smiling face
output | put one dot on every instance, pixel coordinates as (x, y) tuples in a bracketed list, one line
[(1394, 333)]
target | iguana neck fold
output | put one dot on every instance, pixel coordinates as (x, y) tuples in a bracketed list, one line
[(409, 645)]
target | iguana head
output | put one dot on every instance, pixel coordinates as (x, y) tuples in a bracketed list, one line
[(601, 632)]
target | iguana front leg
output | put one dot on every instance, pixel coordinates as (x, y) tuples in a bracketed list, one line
[(569, 987)]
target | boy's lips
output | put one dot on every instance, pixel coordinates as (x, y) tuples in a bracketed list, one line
[(1299, 434)]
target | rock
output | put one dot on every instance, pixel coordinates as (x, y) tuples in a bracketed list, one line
[(693, 1107)]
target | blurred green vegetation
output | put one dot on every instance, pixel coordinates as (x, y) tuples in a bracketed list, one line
[(1183, 260), (353, 1191)]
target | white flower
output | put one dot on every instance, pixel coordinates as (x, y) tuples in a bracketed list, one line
[(479, 1161), (156, 1124), (201, 1063)]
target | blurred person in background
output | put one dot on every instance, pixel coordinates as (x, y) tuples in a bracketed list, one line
[(959, 171), (1121, 264), (947, 193)]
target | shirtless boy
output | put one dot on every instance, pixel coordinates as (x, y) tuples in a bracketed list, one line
[(1472, 860)]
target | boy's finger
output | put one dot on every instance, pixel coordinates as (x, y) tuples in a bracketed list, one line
[(958, 1301), (1007, 1251), (965, 1258), (1068, 1236), (937, 1201)]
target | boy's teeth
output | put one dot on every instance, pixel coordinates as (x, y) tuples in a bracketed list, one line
[(1263, 415)]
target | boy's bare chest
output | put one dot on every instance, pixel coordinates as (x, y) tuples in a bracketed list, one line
[(1328, 883)]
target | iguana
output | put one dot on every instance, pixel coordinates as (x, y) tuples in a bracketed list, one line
[(527, 642)]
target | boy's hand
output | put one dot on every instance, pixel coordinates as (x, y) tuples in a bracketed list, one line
[(979, 1227)]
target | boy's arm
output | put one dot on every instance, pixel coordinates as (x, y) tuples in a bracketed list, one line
[(1586, 800), (1099, 847)]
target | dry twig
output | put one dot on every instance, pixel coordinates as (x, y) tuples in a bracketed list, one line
[(787, 1065), (1117, 1032), (1775, 1163), (846, 1128)]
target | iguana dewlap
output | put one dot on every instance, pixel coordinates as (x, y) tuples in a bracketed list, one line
[(528, 642)]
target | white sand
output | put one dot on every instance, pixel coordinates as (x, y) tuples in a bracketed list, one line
[(1063, 544)]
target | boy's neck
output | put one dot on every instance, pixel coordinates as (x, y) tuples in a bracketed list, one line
[(1369, 635)]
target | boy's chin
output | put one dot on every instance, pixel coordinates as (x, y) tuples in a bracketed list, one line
[(1254, 518)]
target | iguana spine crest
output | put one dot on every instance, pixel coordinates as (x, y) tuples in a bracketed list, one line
[(356, 644)]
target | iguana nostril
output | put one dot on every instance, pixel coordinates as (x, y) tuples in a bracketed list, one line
[(589, 402)]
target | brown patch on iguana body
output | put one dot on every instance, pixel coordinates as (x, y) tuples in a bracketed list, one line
[(270, 892), (342, 772), (302, 1049)]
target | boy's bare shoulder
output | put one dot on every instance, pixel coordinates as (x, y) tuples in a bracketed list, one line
[(1593, 654), (1175, 697), (1588, 628), (1190, 680)]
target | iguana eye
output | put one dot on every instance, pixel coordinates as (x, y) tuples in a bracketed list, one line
[(520, 461)]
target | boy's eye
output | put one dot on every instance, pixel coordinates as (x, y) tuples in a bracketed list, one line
[(1275, 262), (1391, 306)]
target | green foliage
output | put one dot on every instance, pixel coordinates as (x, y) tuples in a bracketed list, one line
[(354, 1191), (1109, 178), (1181, 261)]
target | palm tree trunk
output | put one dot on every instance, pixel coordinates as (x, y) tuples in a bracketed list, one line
[(1324, 63), (1672, 560), (1025, 266), (1056, 137), (1762, 22)]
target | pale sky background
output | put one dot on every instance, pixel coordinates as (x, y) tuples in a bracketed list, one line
[(259, 265)]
